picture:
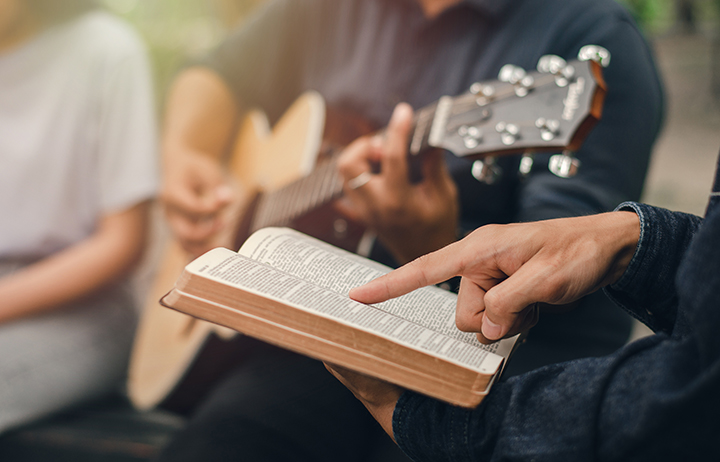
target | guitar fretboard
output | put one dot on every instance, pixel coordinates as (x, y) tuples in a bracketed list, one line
[(454, 123), (282, 206), (324, 184)]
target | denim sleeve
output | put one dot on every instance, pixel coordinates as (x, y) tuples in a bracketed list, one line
[(647, 288), (654, 399), (511, 424)]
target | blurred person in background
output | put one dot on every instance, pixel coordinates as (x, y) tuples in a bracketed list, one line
[(365, 57), (77, 171)]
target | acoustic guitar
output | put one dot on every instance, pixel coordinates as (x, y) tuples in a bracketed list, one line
[(286, 176)]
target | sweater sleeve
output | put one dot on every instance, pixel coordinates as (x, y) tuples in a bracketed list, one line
[(651, 400), (647, 288)]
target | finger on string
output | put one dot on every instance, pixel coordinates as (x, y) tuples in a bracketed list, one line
[(353, 161), (394, 161), (434, 167)]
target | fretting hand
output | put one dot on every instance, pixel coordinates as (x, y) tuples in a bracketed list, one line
[(410, 219)]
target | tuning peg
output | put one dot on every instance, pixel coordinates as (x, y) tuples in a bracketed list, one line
[(564, 165), (471, 135), (553, 64), (594, 53), (549, 128), (516, 76), (479, 89), (486, 171), (511, 73), (509, 133), (485, 93), (526, 164)]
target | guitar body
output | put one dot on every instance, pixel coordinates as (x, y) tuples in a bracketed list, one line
[(176, 358)]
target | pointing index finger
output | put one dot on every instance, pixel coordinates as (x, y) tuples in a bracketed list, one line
[(429, 269)]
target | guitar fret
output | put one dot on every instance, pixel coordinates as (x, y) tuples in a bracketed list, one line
[(317, 186), (298, 200), (421, 122), (327, 184), (306, 195), (270, 211), (285, 205), (336, 183), (261, 210), (439, 121)]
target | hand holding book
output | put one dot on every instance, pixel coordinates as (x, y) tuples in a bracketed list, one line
[(506, 271)]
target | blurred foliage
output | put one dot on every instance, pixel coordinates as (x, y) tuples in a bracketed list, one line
[(665, 16), (177, 31)]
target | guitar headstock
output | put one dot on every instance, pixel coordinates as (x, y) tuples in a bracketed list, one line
[(551, 109)]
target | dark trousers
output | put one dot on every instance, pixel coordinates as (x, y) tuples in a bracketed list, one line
[(279, 406)]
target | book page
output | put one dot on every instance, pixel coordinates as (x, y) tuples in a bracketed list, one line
[(236, 270), (339, 271)]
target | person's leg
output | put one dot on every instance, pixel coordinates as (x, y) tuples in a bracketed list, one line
[(59, 359), (279, 406)]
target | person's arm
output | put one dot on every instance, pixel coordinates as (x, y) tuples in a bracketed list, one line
[(410, 219), (506, 269), (256, 66), (106, 255), (199, 121)]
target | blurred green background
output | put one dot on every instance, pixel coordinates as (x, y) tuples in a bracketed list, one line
[(176, 30)]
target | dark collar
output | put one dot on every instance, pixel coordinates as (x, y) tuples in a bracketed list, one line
[(493, 8)]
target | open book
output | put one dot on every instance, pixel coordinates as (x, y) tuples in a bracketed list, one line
[(289, 289)]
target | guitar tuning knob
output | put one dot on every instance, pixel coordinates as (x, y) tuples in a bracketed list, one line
[(486, 171), (485, 93), (471, 135), (564, 165), (509, 133), (553, 64), (526, 164), (516, 76), (549, 128), (594, 53)]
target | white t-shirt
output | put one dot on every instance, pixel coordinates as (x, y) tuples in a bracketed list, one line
[(77, 133)]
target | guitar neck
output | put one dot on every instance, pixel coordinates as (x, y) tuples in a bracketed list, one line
[(282, 206), (548, 110), (324, 184)]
